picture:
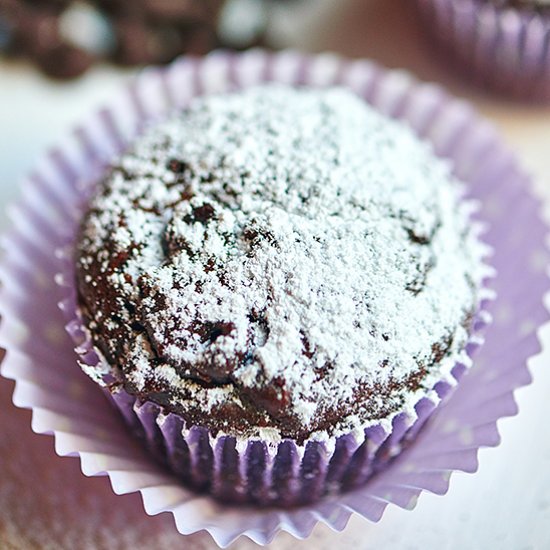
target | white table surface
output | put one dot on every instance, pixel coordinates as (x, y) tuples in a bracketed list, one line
[(45, 502)]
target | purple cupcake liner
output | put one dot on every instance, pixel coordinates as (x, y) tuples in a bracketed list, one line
[(251, 470), (40, 355), (501, 48)]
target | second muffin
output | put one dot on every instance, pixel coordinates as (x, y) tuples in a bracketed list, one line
[(502, 45)]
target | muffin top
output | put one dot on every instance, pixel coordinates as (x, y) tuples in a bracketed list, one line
[(279, 262)]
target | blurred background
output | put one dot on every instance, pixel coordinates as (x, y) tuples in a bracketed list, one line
[(88, 50)]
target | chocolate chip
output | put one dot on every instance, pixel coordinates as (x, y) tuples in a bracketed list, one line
[(417, 238), (211, 331), (201, 214), (220, 329), (138, 327), (213, 369), (307, 351), (177, 166)]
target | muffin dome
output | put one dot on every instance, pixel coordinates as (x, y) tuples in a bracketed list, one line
[(279, 263)]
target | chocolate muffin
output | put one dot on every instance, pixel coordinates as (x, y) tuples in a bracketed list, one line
[(279, 264), (65, 37)]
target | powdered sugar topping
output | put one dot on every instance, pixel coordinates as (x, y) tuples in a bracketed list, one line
[(290, 251)]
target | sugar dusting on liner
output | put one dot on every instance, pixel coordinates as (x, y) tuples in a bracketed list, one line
[(311, 233)]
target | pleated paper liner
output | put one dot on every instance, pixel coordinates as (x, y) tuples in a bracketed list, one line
[(501, 48), (66, 403)]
